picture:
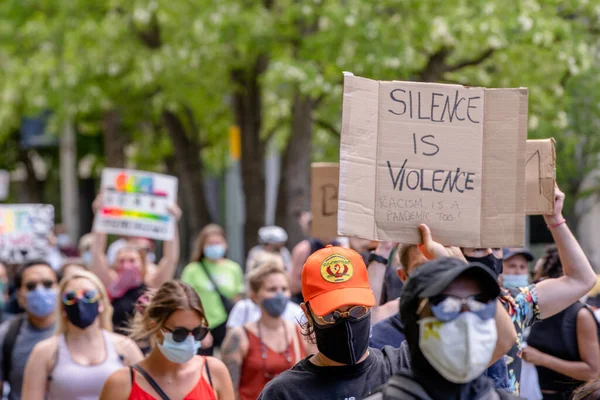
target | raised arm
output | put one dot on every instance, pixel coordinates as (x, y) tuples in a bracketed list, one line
[(168, 263), (507, 335), (554, 295), (377, 270), (99, 264), (299, 255), (234, 350)]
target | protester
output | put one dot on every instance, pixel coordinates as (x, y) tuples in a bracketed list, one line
[(36, 284), (249, 310), (527, 305), (448, 309), (515, 270), (565, 347), (130, 277), (271, 240), (4, 284), (79, 358), (70, 266), (85, 248), (300, 254), (335, 284), (175, 320), (589, 391), (391, 330), (218, 281), (259, 351)]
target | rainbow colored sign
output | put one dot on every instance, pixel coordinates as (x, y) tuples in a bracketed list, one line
[(24, 231), (135, 203)]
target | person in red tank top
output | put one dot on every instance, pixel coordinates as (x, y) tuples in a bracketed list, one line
[(174, 320), (259, 351)]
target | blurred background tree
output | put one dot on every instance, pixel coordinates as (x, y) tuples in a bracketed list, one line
[(156, 84)]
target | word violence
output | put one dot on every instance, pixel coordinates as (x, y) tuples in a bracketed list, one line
[(440, 181)]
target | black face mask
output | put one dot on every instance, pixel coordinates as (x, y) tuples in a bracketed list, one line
[(490, 261), (82, 314), (345, 341)]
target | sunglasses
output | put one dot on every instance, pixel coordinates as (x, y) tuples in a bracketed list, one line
[(356, 312), (446, 308), (32, 285), (180, 333), (73, 296)]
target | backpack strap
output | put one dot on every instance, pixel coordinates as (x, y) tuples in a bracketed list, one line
[(9, 344), (152, 382)]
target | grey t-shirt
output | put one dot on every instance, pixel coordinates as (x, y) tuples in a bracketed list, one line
[(28, 337)]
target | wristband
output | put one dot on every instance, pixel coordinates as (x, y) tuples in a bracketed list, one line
[(559, 223), (377, 258)]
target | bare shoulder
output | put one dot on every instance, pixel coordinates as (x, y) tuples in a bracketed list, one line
[(126, 348), (301, 248), (46, 348), (216, 366), (121, 341), (117, 386), (235, 340), (586, 318)]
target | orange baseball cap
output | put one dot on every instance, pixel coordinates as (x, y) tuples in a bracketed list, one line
[(334, 277)]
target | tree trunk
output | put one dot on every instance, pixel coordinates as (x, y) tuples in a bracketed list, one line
[(114, 141), (294, 186), (191, 174), (32, 188), (247, 104)]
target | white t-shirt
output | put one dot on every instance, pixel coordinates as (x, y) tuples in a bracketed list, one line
[(246, 311)]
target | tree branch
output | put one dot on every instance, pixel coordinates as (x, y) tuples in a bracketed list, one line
[(469, 63), (328, 127), (271, 132)]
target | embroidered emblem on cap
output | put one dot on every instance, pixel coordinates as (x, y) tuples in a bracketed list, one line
[(336, 269)]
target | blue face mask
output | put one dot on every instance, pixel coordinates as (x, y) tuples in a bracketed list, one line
[(41, 302), (515, 281), (178, 352), (276, 305), (214, 251)]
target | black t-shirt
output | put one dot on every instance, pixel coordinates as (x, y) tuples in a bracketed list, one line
[(352, 382), (124, 308)]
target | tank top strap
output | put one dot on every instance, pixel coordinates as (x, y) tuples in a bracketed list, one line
[(62, 350), (111, 349), (207, 371)]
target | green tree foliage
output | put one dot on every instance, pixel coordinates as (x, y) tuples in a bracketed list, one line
[(178, 73)]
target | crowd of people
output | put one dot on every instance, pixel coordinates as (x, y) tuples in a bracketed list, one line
[(332, 319)]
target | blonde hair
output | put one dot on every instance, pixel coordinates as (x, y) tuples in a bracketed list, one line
[(156, 306), (257, 276), (265, 257), (105, 315), (139, 252), (208, 230)]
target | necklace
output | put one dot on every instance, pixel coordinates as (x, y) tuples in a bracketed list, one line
[(263, 349), (321, 360)]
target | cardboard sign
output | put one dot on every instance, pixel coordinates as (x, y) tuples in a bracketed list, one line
[(24, 232), (135, 204), (449, 156), (540, 177), (324, 200)]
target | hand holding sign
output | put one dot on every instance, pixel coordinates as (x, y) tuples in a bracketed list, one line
[(432, 249), (559, 199)]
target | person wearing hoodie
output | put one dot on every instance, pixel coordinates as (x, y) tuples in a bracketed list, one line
[(448, 309)]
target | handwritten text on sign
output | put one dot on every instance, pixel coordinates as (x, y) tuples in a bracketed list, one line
[(429, 155)]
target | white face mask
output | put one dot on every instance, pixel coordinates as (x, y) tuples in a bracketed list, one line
[(461, 349)]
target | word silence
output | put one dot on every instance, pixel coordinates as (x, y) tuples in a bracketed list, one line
[(434, 146), (136, 203)]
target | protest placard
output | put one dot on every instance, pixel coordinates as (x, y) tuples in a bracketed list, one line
[(324, 200), (449, 156), (135, 203), (25, 230), (540, 177)]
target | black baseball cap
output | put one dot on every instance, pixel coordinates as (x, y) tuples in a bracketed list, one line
[(434, 277), (508, 253)]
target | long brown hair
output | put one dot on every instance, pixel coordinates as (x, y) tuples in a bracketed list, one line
[(208, 230), (155, 307)]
